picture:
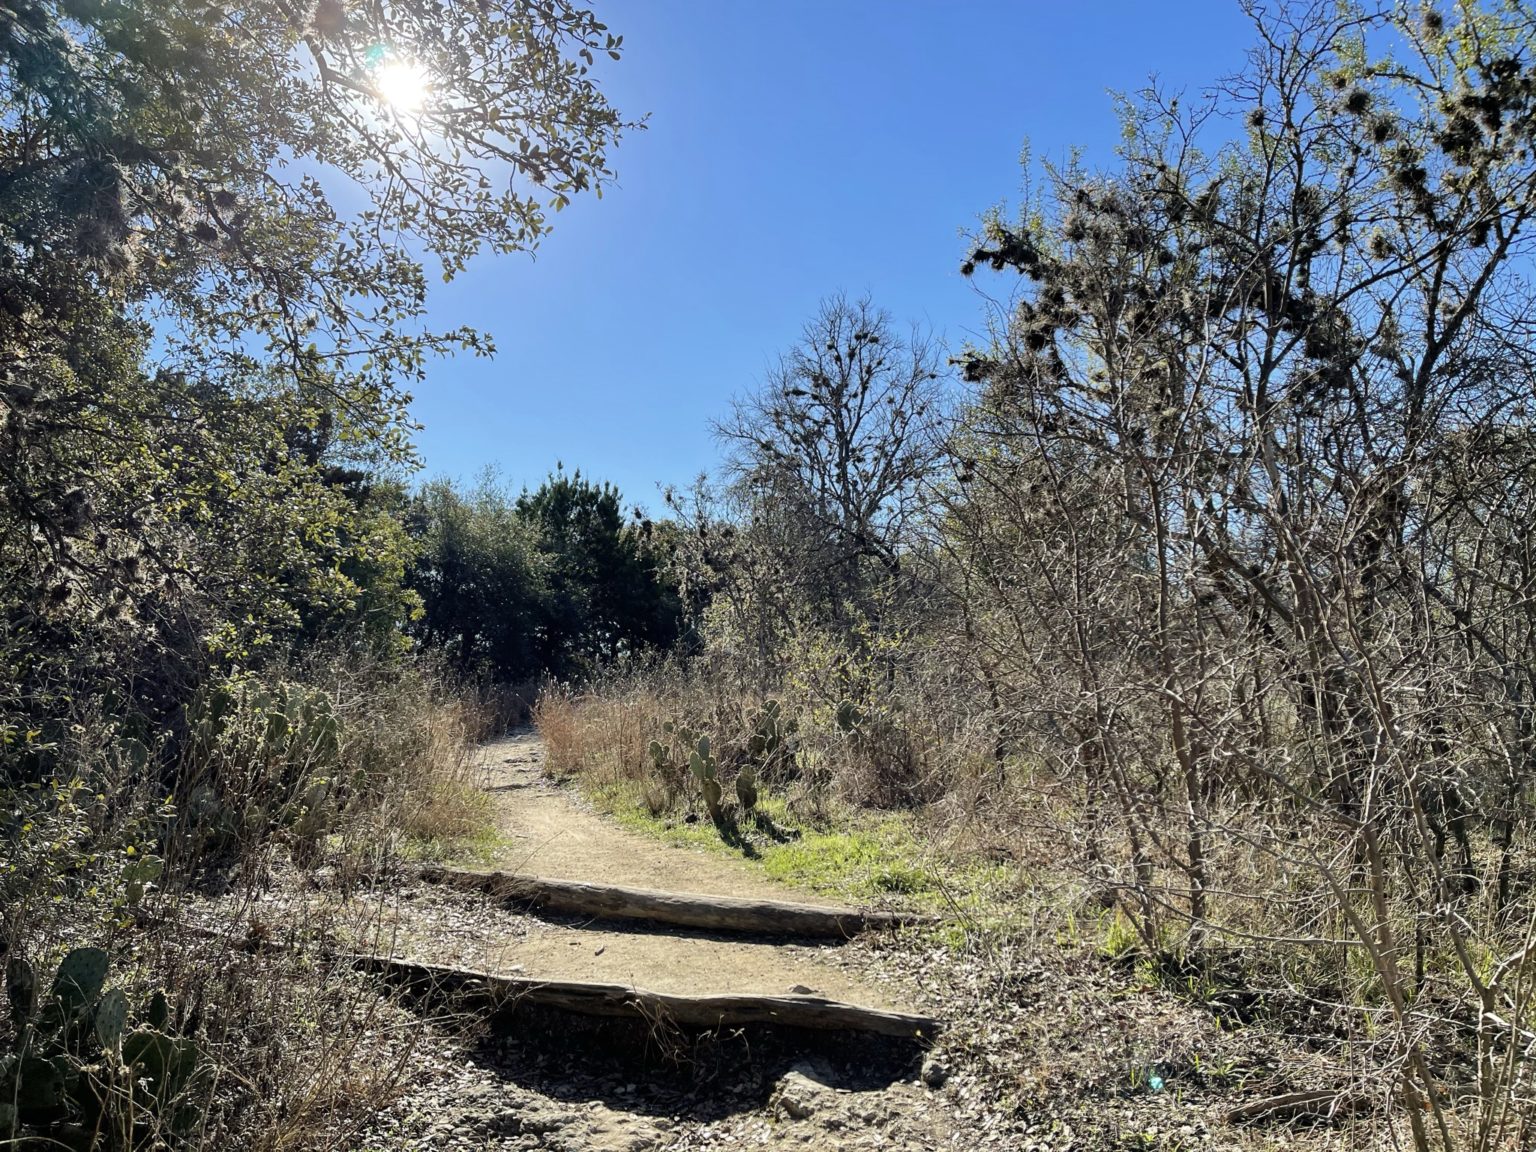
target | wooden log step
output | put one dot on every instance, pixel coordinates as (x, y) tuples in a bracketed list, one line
[(684, 910), (687, 910), (702, 1012)]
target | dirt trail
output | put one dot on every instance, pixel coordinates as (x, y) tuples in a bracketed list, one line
[(472, 936), (552, 834), (510, 1098)]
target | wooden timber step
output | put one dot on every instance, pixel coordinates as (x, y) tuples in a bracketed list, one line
[(686, 910), (697, 1012)]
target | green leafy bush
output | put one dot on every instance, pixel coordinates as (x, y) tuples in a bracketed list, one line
[(261, 759)]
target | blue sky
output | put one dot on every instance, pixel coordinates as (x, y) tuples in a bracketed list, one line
[(794, 149)]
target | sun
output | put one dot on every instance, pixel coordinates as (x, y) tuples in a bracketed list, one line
[(402, 84)]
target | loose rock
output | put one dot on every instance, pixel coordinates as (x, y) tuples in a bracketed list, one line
[(935, 1072)]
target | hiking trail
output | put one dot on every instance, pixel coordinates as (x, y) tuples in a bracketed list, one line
[(546, 831), (622, 1076)]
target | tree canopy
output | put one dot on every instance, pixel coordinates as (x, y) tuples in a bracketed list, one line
[(555, 582), (216, 227)]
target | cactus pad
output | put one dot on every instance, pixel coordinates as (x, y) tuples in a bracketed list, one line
[(82, 972)]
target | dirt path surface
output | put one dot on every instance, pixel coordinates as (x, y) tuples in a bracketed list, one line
[(551, 833), (1046, 1045), (427, 923), (573, 1084)]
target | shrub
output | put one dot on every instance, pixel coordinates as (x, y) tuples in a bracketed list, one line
[(261, 1041)]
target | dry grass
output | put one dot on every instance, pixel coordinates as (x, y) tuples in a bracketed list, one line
[(601, 739), (420, 745), (503, 707), (306, 1049), (293, 1048), (239, 921), (1276, 958), (897, 759)]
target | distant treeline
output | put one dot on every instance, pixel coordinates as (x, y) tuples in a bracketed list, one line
[(555, 582)]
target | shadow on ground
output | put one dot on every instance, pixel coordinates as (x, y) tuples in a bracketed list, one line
[(684, 1074), (655, 1068)]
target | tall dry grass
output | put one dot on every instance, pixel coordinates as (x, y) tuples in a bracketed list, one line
[(414, 744), (1280, 949), (216, 904), (902, 754), (601, 738)]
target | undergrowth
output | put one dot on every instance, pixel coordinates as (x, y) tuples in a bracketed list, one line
[(794, 833), (188, 863)]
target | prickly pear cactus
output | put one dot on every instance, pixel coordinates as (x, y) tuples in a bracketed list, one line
[(712, 798), (41, 1089), (81, 974), (159, 1012), (771, 751), (111, 1017), (746, 788), (703, 766), (700, 762), (311, 815), (77, 1064), (165, 1062)]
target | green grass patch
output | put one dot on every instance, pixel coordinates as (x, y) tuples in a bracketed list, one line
[(864, 858), (479, 847), (870, 860)]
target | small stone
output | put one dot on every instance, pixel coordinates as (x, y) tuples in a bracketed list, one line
[(935, 1072), (798, 1095), (797, 1107)]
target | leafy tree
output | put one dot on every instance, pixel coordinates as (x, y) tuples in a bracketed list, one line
[(553, 582), (205, 347), (609, 595), (481, 578)]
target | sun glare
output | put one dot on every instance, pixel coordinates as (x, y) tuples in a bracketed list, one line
[(402, 84)]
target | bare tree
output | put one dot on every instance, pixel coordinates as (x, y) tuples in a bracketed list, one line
[(1244, 478), (831, 454)]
